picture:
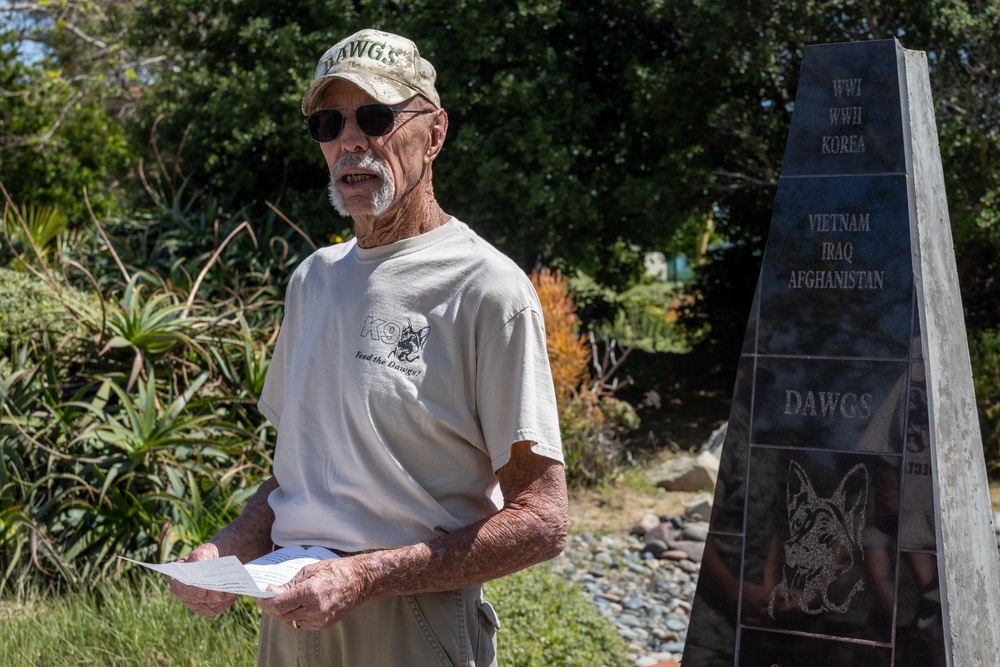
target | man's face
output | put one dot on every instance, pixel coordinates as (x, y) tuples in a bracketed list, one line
[(369, 175)]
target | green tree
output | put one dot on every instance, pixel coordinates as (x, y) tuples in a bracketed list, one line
[(581, 135), (222, 108), (63, 97), (564, 151), (556, 151)]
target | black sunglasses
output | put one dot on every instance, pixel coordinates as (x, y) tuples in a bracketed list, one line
[(375, 120)]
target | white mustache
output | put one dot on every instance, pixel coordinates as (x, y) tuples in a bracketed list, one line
[(360, 161)]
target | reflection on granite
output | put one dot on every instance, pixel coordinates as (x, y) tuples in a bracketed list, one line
[(730, 489), (917, 517), (711, 638), (767, 649)]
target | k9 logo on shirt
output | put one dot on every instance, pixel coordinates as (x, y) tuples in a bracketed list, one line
[(407, 342)]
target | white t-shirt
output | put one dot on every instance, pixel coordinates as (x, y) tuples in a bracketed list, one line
[(401, 377)]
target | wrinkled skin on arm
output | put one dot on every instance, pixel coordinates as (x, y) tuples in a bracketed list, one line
[(247, 538), (529, 529)]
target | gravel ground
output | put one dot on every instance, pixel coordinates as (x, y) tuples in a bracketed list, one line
[(648, 599)]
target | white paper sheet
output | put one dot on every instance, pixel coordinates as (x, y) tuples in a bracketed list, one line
[(229, 575)]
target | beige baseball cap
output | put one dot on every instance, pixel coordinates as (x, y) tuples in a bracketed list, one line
[(386, 66)]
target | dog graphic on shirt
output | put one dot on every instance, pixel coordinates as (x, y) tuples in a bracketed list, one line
[(411, 343), (824, 542)]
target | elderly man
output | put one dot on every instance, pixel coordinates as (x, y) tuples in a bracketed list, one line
[(417, 429)]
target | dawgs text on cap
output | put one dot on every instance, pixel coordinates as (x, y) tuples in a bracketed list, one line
[(386, 66)]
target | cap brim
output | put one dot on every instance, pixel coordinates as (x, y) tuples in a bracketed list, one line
[(380, 89)]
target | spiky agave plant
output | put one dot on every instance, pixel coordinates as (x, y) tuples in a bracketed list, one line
[(150, 325), (31, 232), (159, 461), (37, 472)]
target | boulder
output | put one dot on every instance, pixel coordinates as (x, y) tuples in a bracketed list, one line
[(686, 473), (699, 508), (714, 443)]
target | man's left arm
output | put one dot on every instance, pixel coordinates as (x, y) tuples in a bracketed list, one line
[(529, 529)]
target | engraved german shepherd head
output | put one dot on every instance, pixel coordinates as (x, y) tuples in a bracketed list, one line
[(824, 542)]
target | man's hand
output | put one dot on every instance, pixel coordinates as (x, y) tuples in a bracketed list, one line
[(199, 600), (319, 595)]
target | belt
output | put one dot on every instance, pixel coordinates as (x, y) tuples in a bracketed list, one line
[(348, 554), (340, 552)]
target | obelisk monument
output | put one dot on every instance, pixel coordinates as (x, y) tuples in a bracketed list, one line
[(852, 523)]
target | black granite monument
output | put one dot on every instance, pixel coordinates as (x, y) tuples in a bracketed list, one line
[(851, 525)]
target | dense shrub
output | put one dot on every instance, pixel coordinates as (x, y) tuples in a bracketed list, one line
[(569, 353), (90, 470), (596, 304), (31, 309), (643, 317), (646, 318), (984, 350)]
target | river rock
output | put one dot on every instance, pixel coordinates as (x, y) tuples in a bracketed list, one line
[(647, 523), (695, 532), (662, 532), (693, 550)]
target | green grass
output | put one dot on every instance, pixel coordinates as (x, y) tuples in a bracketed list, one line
[(123, 626), (544, 621)]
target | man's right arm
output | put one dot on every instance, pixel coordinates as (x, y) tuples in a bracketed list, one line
[(247, 538)]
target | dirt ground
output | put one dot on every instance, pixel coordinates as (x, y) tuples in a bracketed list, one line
[(617, 510)]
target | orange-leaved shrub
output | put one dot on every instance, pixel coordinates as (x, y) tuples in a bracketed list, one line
[(591, 424), (569, 352)]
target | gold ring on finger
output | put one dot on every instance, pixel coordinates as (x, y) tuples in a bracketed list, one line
[(295, 624)]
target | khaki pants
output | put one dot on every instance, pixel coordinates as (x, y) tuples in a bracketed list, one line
[(448, 629)]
